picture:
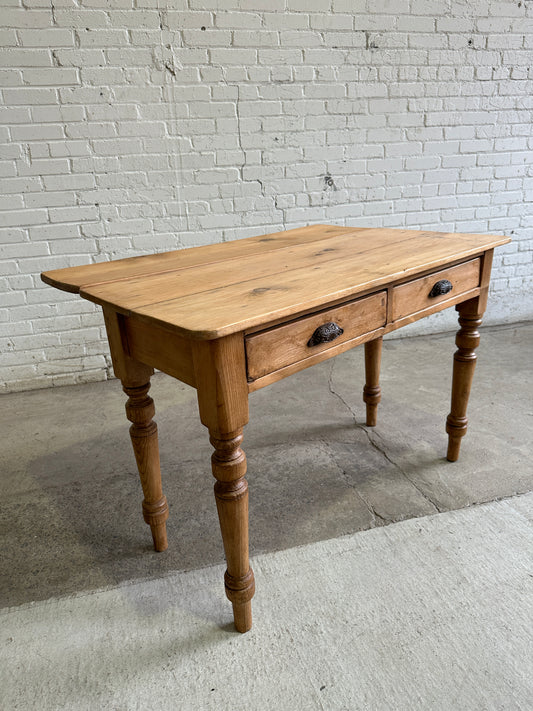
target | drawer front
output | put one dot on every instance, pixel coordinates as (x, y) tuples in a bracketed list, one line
[(420, 294), (289, 343)]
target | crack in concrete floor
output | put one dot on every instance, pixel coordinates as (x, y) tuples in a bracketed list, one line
[(349, 481), (380, 449), (69, 509)]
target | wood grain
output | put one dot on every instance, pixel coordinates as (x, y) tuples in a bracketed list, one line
[(232, 318), (207, 293), (372, 390), (160, 348), (280, 346), (220, 372), (152, 289), (464, 363), (143, 432), (72, 279), (246, 303), (486, 267), (414, 296), (135, 378), (231, 494), (276, 375)]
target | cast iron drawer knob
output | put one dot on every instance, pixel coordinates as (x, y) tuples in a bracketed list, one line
[(325, 333), (441, 287)]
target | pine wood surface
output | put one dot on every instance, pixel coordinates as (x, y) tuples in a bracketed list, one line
[(372, 390), (414, 296), (74, 278), (464, 363), (210, 292), (277, 347), (220, 371), (231, 318), (140, 409)]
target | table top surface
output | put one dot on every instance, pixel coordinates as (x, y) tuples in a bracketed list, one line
[(213, 291)]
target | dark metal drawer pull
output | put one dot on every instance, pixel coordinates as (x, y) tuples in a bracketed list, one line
[(325, 333), (441, 287)]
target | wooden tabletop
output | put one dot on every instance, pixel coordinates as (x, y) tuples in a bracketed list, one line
[(209, 292)]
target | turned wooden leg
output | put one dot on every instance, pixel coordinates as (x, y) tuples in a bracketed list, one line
[(231, 492), (464, 363), (220, 370), (372, 391), (140, 411)]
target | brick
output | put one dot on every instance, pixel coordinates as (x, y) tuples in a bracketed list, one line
[(72, 214), (54, 76), (232, 133), (395, 7), (196, 20), (25, 18), (428, 40), (130, 56), (426, 7), (44, 233), (412, 23), (22, 217), (10, 77), (11, 202), (343, 39), (457, 24), (233, 56), (27, 96), (14, 115), (17, 57), (323, 21), (267, 5), (8, 38), (210, 38), (307, 5), (504, 41), (57, 166), (131, 19), (260, 108), (503, 9), (367, 89), (118, 146), (50, 199), (102, 38), (355, 6), (285, 21), (53, 38)]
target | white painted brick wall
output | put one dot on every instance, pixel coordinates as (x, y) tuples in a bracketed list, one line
[(135, 126)]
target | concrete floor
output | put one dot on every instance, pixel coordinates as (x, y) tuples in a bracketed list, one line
[(70, 500), (430, 614)]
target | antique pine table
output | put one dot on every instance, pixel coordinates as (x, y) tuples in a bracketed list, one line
[(231, 318)]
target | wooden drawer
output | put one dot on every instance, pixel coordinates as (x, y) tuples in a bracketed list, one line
[(415, 295), (283, 345)]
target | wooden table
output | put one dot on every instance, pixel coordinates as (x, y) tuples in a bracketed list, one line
[(231, 318)]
